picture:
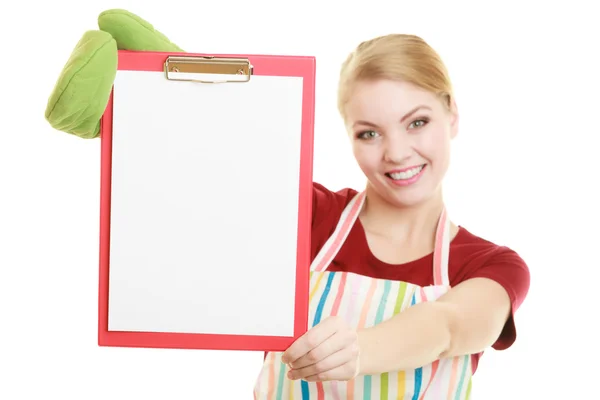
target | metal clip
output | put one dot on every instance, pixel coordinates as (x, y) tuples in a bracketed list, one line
[(207, 69)]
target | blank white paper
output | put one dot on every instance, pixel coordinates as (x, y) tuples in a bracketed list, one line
[(204, 205)]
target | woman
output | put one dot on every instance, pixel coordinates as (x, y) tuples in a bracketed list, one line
[(391, 250), (381, 256)]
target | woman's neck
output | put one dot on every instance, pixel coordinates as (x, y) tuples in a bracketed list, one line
[(409, 225)]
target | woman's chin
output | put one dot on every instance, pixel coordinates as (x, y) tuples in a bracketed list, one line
[(403, 196)]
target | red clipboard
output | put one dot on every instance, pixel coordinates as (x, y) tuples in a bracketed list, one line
[(236, 68)]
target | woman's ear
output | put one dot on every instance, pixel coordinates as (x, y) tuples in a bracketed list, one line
[(454, 119)]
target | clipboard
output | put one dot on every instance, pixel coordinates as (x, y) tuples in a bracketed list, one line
[(206, 201)]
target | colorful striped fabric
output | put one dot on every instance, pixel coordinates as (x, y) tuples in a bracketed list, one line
[(363, 302)]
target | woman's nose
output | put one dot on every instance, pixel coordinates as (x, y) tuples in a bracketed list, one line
[(397, 149)]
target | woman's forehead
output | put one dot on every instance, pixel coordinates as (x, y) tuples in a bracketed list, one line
[(388, 99)]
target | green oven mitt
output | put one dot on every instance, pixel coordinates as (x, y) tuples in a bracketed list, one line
[(83, 88)]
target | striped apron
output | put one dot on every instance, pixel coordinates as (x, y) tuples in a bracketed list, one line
[(364, 302)]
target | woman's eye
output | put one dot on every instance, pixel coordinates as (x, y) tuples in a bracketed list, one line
[(418, 123), (367, 134)]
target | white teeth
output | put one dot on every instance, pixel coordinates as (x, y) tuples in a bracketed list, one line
[(406, 174)]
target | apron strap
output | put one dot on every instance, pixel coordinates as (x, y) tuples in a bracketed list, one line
[(441, 251), (343, 228)]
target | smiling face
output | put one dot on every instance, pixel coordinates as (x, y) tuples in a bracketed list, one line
[(401, 138)]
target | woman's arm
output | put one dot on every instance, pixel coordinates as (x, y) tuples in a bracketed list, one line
[(472, 316), (466, 320)]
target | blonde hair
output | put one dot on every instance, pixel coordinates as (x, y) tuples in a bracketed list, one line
[(398, 57)]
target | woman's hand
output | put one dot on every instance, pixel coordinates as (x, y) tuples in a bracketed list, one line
[(329, 351)]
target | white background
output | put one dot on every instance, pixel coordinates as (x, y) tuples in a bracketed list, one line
[(523, 174)]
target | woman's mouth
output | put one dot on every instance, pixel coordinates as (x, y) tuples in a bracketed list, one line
[(406, 176)]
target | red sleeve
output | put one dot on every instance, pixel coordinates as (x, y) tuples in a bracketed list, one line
[(328, 205), (509, 270), (327, 208)]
